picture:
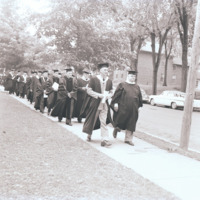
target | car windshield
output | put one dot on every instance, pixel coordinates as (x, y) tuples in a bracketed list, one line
[(173, 94)]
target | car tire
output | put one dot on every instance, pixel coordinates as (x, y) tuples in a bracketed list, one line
[(173, 105), (152, 102)]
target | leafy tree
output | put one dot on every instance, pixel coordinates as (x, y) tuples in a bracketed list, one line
[(184, 18), (157, 18)]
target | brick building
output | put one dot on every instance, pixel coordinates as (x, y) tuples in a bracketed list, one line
[(145, 71)]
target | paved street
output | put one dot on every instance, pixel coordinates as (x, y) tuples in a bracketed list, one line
[(166, 123)]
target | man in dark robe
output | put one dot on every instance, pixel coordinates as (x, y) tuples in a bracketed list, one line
[(9, 82), (22, 84), (29, 93), (96, 108), (41, 96), (66, 97), (52, 89), (125, 104), (17, 77), (34, 82), (14, 78), (82, 83)]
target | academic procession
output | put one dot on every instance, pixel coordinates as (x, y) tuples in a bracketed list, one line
[(87, 96)]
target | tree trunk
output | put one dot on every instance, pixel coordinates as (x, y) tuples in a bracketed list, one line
[(153, 43), (188, 108), (184, 67), (167, 56), (165, 74), (132, 44), (182, 25)]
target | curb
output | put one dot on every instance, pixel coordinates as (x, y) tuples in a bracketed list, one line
[(167, 145)]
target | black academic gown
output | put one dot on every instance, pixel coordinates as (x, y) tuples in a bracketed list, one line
[(63, 101), (81, 95), (52, 95), (129, 99), (90, 106), (21, 86), (33, 86), (39, 97), (29, 92), (9, 83)]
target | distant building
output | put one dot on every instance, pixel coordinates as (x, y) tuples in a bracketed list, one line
[(145, 70)]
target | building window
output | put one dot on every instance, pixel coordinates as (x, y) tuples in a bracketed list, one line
[(116, 76), (122, 75)]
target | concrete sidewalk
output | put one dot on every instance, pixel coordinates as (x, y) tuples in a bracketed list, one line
[(175, 173)]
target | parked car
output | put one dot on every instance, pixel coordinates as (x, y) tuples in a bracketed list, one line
[(145, 97), (173, 99)]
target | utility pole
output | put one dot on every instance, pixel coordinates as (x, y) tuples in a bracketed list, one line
[(190, 90)]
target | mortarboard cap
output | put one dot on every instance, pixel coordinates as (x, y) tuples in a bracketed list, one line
[(132, 72), (86, 70), (101, 65), (44, 71), (68, 69), (55, 70)]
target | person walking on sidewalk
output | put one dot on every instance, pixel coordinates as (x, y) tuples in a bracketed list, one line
[(66, 97), (82, 84), (100, 89), (52, 89), (125, 103), (41, 97)]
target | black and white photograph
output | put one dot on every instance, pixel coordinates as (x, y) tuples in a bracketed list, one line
[(99, 99)]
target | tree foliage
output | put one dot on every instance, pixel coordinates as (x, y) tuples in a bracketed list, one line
[(83, 33)]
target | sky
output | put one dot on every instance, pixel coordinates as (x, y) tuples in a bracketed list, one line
[(37, 6)]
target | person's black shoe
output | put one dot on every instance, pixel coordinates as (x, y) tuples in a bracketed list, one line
[(115, 133), (105, 143), (89, 138), (129, 142), (59, 119), (79, 120), (68, 122)]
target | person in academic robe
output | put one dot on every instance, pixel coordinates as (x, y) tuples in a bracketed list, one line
[(82, 84), (14, 84), (16, 79), (22, 84), (29, 93), (52, 89), (96, 107), (125, 103), (34, 82), (41, 96), (66, 97), (9, 81)]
